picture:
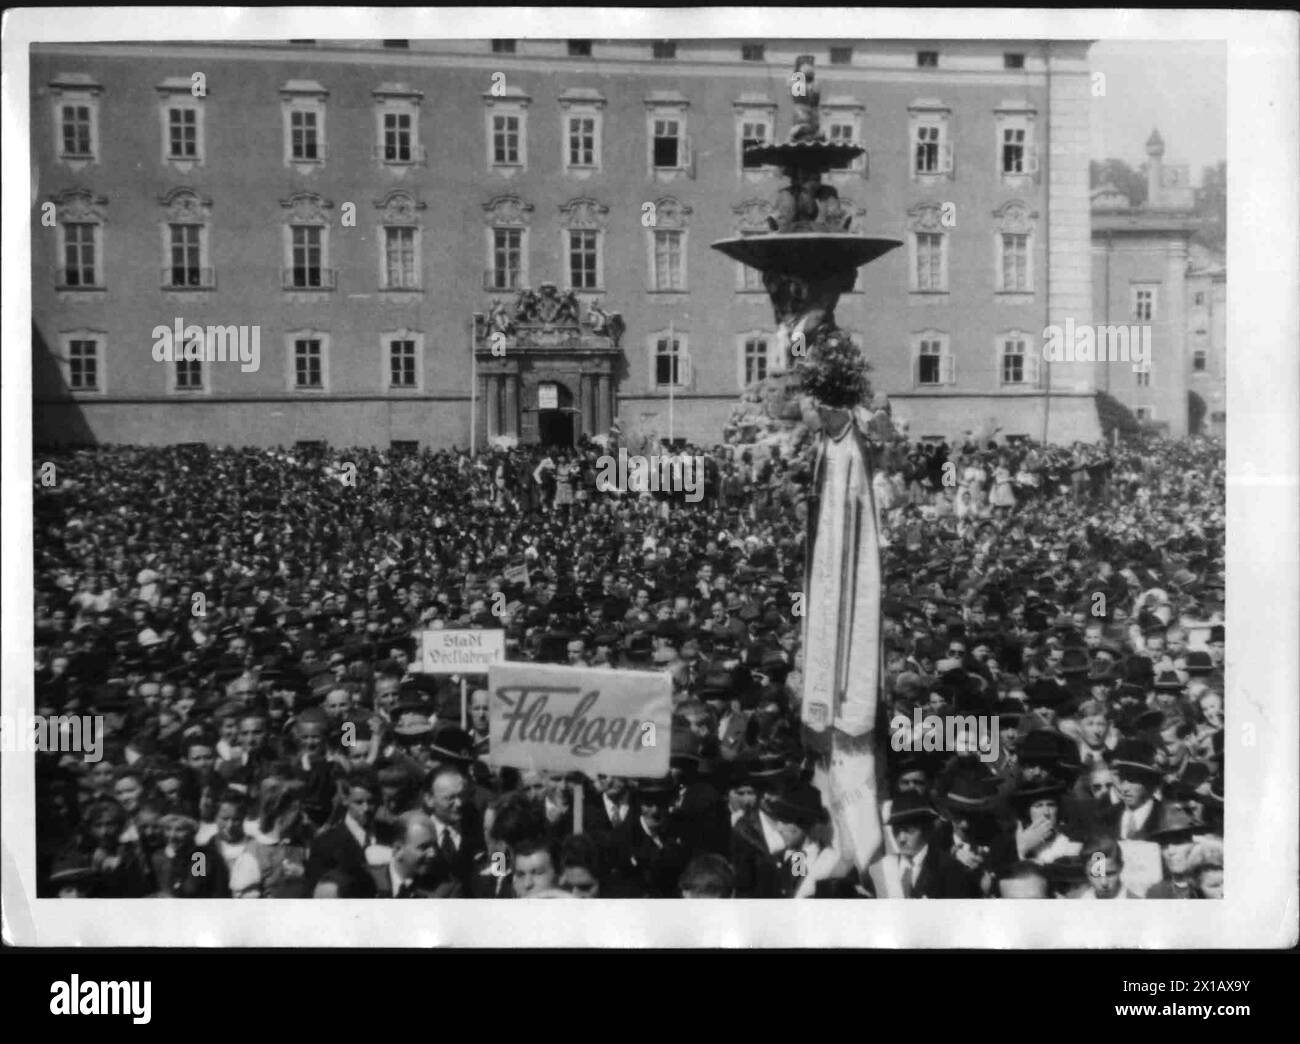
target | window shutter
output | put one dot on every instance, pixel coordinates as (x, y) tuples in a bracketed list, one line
[(687, 157), (1033, 357), (863, 165), (945, 154), (1031, 159), (947, 367), (683, 370)]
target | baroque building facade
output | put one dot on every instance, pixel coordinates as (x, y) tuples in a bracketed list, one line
[(439, 242)]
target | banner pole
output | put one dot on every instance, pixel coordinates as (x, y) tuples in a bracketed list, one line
[(464, 702), (577, 807)]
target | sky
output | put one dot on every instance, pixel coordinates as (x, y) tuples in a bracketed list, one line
[(1179, 87)]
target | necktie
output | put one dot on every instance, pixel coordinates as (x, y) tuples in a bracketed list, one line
[(906, 878), (448, 845)]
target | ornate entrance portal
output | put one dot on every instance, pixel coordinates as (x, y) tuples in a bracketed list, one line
[(545, 375)]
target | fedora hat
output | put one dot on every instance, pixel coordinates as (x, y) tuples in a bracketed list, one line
[(911, 808), (1135, 756), (1173, 822), (798, 803), (967, 794)]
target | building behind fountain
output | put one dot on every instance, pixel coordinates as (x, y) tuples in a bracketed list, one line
[(465, 194)]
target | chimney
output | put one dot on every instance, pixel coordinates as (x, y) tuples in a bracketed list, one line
[(1155, 150)]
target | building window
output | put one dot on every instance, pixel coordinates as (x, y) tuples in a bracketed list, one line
[(83, 364), (1144, 303), (753, 359), (753, 132), (403, 446), (401, 363), (182, 117), (399, 45), (503, 47), (1199, 359), (750, 278), (579, 48), (1017, 363), (186, 255), (182, 132), (669, 269), (583, 260), (1013, 150), (1143, 413), (671, 367), (76, 118), (398, 110), (308, 363), (841, 55), (583, 228), (929, 261), (304, 135), (666, 143), (308, 252), (303, 105), (1143, 378), (1198, 298), (397, 137), (1017, 150), (189, 375), (753, 52), (1013, 61), (80, 254), (934, 360), (582, 141), (507, 258), (400, 259), (927, 59), (927, 149), (930, 142), (664, 49), (77, 137), (1015, 262), (505, 138)]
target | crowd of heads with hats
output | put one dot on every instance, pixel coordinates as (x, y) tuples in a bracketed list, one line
[(247, 625)]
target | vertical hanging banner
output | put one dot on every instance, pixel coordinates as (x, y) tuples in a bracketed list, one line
[(841, 642), (580, 719)]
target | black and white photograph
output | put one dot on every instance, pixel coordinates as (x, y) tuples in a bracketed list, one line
[(737, 454)]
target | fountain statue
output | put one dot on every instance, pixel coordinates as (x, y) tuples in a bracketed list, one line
[(816, 386)]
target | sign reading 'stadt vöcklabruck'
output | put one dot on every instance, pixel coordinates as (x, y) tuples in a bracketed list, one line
[(592, 720), (461, 652)]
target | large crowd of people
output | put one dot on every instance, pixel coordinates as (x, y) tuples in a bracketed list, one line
[(246, 623)]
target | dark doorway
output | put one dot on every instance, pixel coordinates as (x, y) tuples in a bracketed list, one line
[(555, 428), (555, 415)]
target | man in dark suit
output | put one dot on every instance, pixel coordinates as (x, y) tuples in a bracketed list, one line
[(657, 855), (408, 875), (459, 835), (1134, 763), (343, 847), (921, 869)]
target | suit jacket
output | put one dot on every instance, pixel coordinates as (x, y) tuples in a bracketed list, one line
[(701, 820), (484, 884), (421, 887), (758, 871), (940, 877), (336, 849), (1112, 820), (458, 870)]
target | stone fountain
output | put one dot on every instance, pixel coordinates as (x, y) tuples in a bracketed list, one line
[(817, 382)]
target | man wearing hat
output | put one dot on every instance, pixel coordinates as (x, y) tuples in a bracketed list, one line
[(1173, 831), (1134, 764), (773, 851), (920, 869)]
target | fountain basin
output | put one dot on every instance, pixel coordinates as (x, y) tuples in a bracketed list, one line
[(808, 154), (808, 255)]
